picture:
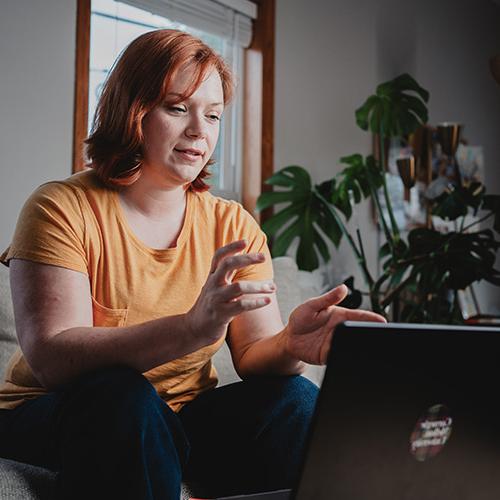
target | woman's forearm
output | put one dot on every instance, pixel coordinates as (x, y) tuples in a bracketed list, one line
[(144, 346), (269, 355)]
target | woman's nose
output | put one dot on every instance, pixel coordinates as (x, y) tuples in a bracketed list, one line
[(196, 127)]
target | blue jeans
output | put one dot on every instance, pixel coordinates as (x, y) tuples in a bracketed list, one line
[(109, 435)]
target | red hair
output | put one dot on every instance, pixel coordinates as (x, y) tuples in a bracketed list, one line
[(139, 82)]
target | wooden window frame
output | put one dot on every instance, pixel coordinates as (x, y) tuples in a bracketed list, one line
[(258, 108), (258, 101), (81, 102)]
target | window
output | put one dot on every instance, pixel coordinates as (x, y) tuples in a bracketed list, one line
[(115, 24)]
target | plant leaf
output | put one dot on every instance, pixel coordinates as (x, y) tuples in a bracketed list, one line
[(363, 112), (423, 241), (321, 245), (305, 208), (453, 204), (491, 202), (397, 108), (279, 219), (407, 82), (271, 198), (329, 226), (416, 107), (448, 206), (291, 176), (356, 180), (306, 255), (283, 242)]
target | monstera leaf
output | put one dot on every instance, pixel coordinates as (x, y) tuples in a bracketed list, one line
[(451, 260), (356, 182), (491, 202), (454, 204), (470, 257), (311, 211), (306, 216), (396, 109)]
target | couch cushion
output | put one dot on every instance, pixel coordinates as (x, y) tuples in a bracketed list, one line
[(22, 481), (224, 365), (8, 340), (287, 285), (293, 288)]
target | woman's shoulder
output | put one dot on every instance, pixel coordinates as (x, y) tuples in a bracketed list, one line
[(75, 184), (70, 193), (224, 212), (218, 206)]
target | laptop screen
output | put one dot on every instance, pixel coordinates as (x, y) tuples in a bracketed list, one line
[(406, 412)]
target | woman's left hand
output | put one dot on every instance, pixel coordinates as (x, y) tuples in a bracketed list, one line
[(310, 327)]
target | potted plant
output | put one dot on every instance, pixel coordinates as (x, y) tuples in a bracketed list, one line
[(421, 272)]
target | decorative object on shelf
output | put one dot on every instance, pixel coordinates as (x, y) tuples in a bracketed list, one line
[(421, 271), (470, 161), (406, 168), (449, 137)]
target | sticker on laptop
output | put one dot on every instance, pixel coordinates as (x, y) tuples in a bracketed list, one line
[(431, 433)]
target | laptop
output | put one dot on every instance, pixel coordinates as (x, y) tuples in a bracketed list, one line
[(406, 412)]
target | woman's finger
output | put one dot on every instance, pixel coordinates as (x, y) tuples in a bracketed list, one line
[(247, 304), (362, 315), (331, 298), (239, 288), (228, 265), (223, 252)]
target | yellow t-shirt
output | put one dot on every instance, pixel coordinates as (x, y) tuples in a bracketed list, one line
[(78, 224)]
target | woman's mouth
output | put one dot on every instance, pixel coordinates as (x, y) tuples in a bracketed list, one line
[(189, 154)]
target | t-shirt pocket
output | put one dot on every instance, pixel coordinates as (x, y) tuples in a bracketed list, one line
[(105, 316)]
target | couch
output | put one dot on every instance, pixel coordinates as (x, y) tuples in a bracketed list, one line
[(20, 481)]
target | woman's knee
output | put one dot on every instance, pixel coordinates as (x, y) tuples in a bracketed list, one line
[(114, 391), (299, 386), (301, 394), (122, 405), (296, 390), (111, 380)]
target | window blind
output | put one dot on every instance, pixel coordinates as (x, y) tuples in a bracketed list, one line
[(231, 19)]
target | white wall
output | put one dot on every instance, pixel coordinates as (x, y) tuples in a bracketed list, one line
[(331, 54), (37, 60)]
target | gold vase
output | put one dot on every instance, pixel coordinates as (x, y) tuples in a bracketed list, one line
[(448, 135), (407, 172)]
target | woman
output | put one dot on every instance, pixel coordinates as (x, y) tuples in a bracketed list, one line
[(126, 279)]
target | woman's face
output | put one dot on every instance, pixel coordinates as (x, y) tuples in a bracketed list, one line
[(180, 138)]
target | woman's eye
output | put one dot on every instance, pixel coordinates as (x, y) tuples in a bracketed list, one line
[(214, 117), (177, 109)]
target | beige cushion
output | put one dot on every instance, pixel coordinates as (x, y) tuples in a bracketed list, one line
[(287, 285), (8, 340), (293, 288)]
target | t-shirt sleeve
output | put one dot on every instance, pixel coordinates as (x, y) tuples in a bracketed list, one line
[(249, 229), (50, 229)]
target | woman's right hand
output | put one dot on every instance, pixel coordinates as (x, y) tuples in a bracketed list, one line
[(221, 298)]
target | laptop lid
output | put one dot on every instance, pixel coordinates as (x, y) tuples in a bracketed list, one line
[(408, 412)]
